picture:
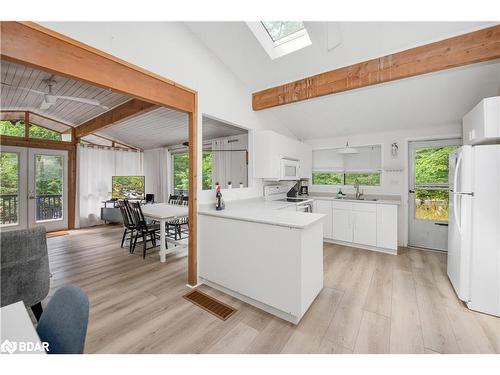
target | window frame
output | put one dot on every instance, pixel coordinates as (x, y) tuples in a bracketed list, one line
[(281, 47), (344, 171)]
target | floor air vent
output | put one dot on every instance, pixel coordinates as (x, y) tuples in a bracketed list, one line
[(217, 308)]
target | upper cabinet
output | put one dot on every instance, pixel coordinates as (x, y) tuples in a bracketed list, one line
[(270, 147), (482, 123)]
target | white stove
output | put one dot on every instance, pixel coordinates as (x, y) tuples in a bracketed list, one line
[(278, 193)]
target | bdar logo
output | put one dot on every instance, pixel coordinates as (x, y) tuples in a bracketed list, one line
[(8, 347)]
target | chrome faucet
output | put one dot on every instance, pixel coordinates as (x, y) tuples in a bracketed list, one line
[(358, 193)]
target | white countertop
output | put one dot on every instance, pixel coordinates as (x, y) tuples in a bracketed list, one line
[(259, 210), (380, 199)]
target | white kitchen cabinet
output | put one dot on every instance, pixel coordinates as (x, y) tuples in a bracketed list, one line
[(387, 226), (270, 147), (360, 223), (482, 123), (305, 160), (364, 228), (325, 207), (342, 225)]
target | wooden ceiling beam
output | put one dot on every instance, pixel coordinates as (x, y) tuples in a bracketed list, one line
[(471, 48), (30, 44), (125, 111)]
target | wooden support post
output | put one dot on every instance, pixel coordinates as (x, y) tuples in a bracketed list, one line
[(193, 200)]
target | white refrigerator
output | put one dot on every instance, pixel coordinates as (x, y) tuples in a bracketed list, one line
[(474, 226)]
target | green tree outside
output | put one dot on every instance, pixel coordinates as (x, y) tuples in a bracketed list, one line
[(181, 171)]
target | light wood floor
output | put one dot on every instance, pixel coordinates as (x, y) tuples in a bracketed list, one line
[(371, 303)]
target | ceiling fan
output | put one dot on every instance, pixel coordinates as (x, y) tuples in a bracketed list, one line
[(49, 99)]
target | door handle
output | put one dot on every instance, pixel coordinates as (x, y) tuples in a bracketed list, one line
[(411, 191), (441, 224)]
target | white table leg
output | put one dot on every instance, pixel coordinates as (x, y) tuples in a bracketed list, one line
[(163, 241)]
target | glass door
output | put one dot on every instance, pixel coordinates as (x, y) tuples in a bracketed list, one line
[(13, 188), (47, 189), (428, 206), (33, 188)]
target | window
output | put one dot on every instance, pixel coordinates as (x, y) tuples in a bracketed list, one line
[(365, 179), (181, 172), (333, 168), (327, 178), (9, 187), (206, 168), (13, 128), (279, 38), (44, 133), (278, 30), (431, 182)]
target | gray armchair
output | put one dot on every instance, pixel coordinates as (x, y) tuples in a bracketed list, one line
[(25, 274)]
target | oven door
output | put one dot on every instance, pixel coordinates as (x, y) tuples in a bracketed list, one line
[(305, 207), (289, 169)]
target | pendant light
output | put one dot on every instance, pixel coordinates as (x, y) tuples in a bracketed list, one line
[(348, 149)]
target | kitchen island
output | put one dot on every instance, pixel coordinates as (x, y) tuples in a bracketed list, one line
[(262, 254)]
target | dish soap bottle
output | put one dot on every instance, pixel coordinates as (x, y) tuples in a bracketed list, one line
[(340, 194), (219, 202)]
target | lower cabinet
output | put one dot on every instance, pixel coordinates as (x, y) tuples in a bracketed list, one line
[(325, 207), (342, 228), (364, 228), (387, 226), (364, 223)]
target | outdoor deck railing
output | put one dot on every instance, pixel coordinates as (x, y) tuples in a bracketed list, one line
[(48, 207)]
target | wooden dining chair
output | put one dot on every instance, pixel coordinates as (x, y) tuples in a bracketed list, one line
[(178, 228), (128, 223), (144, 230)]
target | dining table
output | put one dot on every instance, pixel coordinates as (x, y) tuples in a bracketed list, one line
[(162, 212), (18, 334)]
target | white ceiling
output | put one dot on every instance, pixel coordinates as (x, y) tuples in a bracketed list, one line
[(424, 101), (235, 45), (164, 127), (70, 112), (427, 100)]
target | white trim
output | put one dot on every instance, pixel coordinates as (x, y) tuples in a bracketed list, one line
[(405, 196), (269, 309), (360, 246)]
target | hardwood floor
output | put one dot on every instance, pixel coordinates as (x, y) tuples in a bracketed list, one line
[(371, 303)]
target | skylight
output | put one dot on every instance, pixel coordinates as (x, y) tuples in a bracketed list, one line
[(278, 30), (279, 38)]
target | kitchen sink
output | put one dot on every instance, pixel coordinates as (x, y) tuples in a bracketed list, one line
[(359, 199)]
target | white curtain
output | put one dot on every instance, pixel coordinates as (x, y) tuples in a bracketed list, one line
[(156, 171), (96, 166)]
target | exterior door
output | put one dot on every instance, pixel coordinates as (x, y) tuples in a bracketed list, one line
[(33, 188), (428, 205), (13, 188)]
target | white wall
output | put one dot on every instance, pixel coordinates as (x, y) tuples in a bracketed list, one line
[(392, 183), (171, 50)]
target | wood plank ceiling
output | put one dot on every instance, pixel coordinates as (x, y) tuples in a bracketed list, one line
[(67, 111), (164, 127)]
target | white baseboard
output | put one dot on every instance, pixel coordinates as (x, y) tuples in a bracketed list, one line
[(364, 247), (269, 309)]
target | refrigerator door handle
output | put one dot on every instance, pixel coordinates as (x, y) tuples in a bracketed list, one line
[(455, 195), (455, 209)]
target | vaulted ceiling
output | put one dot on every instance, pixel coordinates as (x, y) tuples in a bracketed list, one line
[(164, 127), (427, 100), (160, 127), (19, 79)]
